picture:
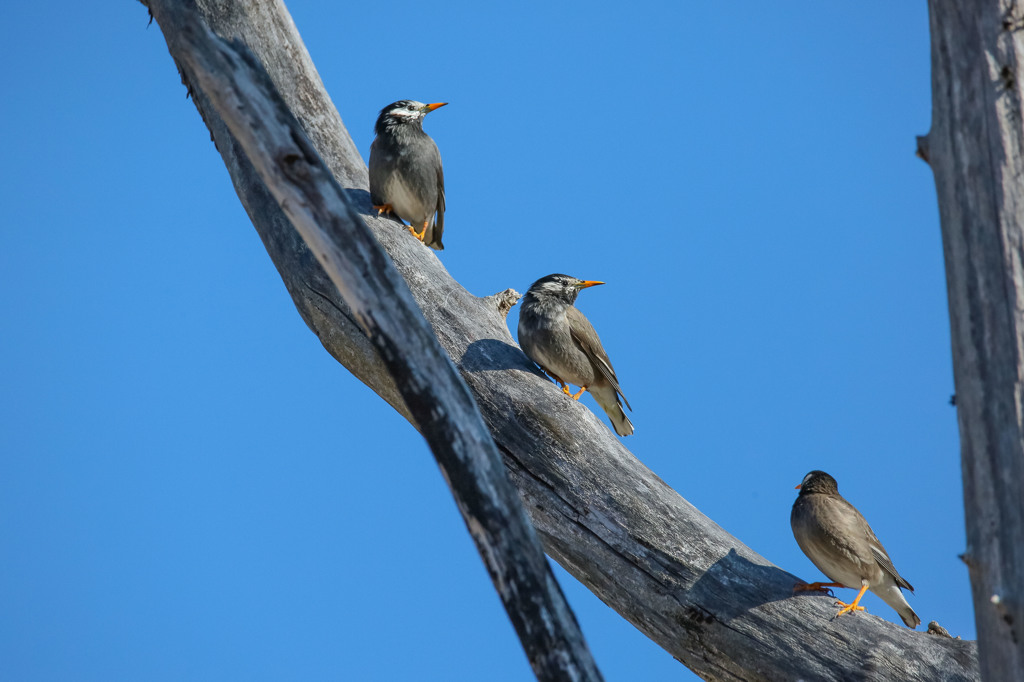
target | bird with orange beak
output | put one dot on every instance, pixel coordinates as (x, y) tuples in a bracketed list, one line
[(837, 539), (557, 336), (406, 177)]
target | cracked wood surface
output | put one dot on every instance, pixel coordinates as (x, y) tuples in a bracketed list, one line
[(703, 596)]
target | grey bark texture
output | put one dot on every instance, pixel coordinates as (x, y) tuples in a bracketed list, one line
[(714, 604), (976, 151), (234, 85)]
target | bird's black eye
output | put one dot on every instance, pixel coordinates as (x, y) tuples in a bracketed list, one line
[(411, 108)]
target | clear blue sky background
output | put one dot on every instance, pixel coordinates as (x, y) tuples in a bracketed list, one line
[(191, 488)]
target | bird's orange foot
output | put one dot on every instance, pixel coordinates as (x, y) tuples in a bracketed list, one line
[(565, 390), (855, 606), (421, 234), (847, 608), (578, 393), (384, 208)]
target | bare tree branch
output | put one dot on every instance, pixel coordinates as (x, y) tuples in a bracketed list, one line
[(976, 150), (698, 592), (438, 400)]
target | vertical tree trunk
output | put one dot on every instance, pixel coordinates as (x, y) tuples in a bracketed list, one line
[(976, 150)]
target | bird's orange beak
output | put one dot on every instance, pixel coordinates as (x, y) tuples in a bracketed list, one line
[(590, 283), (435, 105), (797, 486)]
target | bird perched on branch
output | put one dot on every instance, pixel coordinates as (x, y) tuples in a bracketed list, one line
[(555, 335), (837, 539), (405, 170)]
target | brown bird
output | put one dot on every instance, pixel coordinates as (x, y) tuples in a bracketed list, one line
[(837, 539), (555, 335)]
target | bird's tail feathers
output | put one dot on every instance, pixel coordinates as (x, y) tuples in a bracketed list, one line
[(892, 596), (608, 399), (432, 237)]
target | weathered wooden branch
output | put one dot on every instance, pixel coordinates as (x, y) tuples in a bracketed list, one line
[(438, 400), (976, 151), (713, 603)]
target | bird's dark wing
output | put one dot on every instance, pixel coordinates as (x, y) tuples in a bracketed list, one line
[(882, 557), (850, 532), (377, 174), (583, 333), (439, 225)]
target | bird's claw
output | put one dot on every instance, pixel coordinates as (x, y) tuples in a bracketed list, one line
[(421, 235), (383, 208), (565, 387), (813, 587), (556, 379), (853, 606), (847, 608), (565, 390)]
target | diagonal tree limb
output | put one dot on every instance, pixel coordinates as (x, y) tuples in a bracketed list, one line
[(382, 306), (976, 151), (698, 592)]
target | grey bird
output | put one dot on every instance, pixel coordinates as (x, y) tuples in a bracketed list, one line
[(555, 335), (406, 177), (837, 539)]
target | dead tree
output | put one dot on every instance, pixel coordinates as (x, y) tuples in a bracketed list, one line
[(380, 302), (976, 151), (713, 603)]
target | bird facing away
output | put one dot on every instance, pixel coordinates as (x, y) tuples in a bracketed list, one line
[(837, 539), (405, 170), (555, 335)]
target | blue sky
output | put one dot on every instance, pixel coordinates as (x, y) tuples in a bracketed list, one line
[(191, 488)]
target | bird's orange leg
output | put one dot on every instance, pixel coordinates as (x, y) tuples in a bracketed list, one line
[(422, 233), (578, 393), (383, 208), (816, 587), (847, 608), (561, 383)]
